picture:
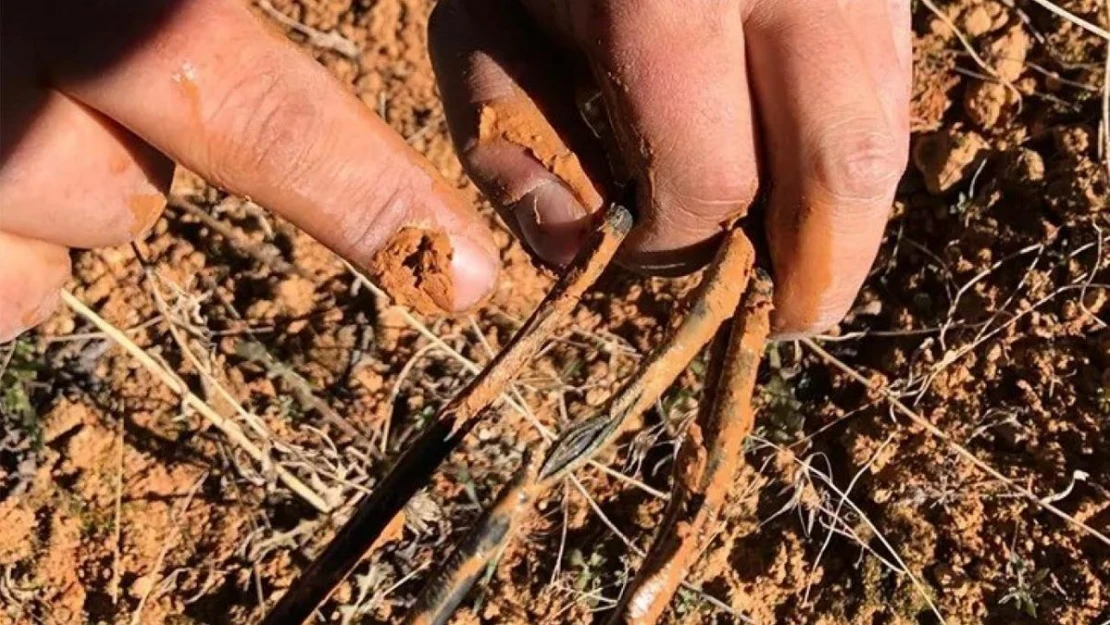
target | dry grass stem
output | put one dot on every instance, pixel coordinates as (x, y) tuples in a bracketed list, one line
[(328, 41), (1055, 9), (229, 428)]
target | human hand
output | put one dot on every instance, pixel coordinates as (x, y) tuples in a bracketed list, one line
[(98, 97), (694, 93)]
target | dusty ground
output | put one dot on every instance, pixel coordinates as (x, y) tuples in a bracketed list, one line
[(987, 312)]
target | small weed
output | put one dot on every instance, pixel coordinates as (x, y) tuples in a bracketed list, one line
[(425, 416), (698, 366), (690, 606), (94, 523), (1029, 585), (572, 369), (673, 404), (782, 415), (588, 580), (1102, 400), (16, 411), (290, 409), (470, 487)]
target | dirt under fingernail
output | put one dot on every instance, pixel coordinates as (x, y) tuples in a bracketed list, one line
[(434, 273), (414, 268)]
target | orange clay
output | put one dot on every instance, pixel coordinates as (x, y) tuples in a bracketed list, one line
[(706, 463), (414, 267), (392, 533), (145, 209)]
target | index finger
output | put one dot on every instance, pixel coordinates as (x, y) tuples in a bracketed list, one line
[(207, 84)]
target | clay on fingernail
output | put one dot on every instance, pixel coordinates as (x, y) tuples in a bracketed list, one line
[(145, 209), (432, 273), (518, 120), (414, 267)]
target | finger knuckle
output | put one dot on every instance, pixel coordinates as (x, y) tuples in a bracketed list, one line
[(264, 125), (389, 204), (858, 161)]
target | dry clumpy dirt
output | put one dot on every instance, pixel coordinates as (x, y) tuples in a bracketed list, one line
[(987, 311), (414, 268)]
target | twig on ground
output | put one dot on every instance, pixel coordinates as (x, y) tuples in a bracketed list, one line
[(899, 565), (953, 355), (1099, 238), (1094, 29), (268, 255), (966, 43), (1106, 101), (839, 506), (395, 392), (256, 352), (113, 584), (328, 41)]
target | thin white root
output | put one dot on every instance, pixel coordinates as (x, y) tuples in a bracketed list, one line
[(1040, 502)]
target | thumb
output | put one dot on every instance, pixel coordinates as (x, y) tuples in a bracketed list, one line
[(215, 90)]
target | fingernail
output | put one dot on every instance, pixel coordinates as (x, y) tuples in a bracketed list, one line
[(474, 271), (551, 221)]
